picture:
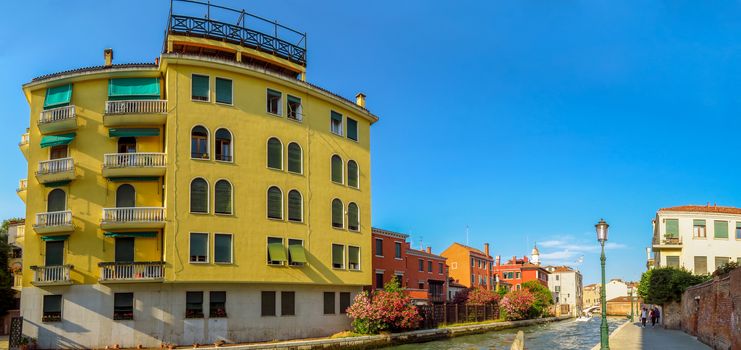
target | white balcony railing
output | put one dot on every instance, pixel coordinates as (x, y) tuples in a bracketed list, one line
[(136, 107), (25, 138), (17, 280), (56, 166), (22, 185), (51, 274), (125, 160), (131, 271), (54, 218), (133, 215), (57, 114)]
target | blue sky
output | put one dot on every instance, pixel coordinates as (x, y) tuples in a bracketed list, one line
[(523, 120)]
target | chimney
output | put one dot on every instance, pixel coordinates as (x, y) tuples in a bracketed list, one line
[(499, 260), (429, 250), (108, 55), (486, 249), (360, 99)]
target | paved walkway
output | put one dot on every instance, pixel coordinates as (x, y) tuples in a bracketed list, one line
[(634, 337)]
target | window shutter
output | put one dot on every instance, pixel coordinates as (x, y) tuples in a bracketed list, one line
[(672, 227), (200, 87), (277, 252), (338, 252), (199, 196), (352, 129), (337, 214), (222, 248), (294, 206), (223, 91), (337, 169), (198, 244), (275, 148), (297, 252), (698, 222), (354, 255), (353, 220), (294, 158), (721, 229), (336, 117), (352, 174), (223, 197), (275, 199)]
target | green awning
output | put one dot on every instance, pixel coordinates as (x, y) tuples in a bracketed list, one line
[(131, 234), (57, 183), (133, 132), (276, 251), (134, 89), (57, 140), (54, 238), (297, 252), (58, 96), (131, 178)]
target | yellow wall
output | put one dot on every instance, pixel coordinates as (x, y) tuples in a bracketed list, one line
[(462, 259)]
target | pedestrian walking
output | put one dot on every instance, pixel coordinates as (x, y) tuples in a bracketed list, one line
[(644, 313), (652, 315), (657, 314)]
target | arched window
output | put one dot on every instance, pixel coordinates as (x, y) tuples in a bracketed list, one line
[(125, 196), (275, 203), (223, 145), (337, 214), (199, 143), (353, 217), (223, 197), (337, 169), (352, 174), (275, 154), (295, 206), (57, 201), (295, 161), (198, 196)]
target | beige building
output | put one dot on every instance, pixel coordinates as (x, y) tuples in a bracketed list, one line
[(565, 284), (590, 295), (697, 238)]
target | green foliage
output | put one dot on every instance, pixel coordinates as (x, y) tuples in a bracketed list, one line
[(543, 298), (665, 285), (726, 268), (643, 285)]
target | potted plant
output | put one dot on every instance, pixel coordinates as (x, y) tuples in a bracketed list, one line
[(27, 343)]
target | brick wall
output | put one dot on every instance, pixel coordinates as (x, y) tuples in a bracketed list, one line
[(712, 311)]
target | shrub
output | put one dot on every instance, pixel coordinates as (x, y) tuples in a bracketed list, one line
[(482, 296), (517, 304), (384, 310), (543, 298), (726, 268), (665, 285)]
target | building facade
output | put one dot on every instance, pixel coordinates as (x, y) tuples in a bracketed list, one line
[(591, 295), (565, 284), (698, 238), (469, 266), (516, 271), (212, 195)]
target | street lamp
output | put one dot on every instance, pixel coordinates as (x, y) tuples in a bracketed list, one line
[(630, 296), (601, 227)]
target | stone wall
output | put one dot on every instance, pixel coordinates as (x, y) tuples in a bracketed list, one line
[(712, 311)]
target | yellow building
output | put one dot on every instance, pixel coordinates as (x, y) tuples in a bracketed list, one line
[(211, 195)]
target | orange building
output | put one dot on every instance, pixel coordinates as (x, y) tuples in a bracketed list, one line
[(470, 266), (518, 271)]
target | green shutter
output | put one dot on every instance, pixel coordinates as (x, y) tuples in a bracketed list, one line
[(134, 89), (294, 206), (58, 96), (199, 196), (57, 183), (672, 227), (352, 174), (54, 238), (353, 217), (721, 229), (57, 140), (698, 222), (133, 132), (275, 158), (297, 252), (198, 243), (222, 248), (338, 252), (275, 199), (293, 99), (223, 91), (223, 197), (294, 158), (336, 116), (352, 129), (130, 234), (336, 169), (276, 251), (337, 213), (130, 179), (200, 87), (354, 255)]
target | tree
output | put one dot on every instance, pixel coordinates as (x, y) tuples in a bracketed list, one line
[(543, 298), (517, 304), (6, 278), (384, 310), (665, 285)]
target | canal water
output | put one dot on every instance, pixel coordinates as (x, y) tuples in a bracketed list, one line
[(561, 335)]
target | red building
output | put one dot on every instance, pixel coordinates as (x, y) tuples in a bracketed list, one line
[(422, 274), (518, 271)]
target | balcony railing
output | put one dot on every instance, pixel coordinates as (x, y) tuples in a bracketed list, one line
[(57, 114), (25, 138), (22, 185), (54, 218), (136, 107), (57, 274), (133, 215), (132, 271), (141, 160), (667, 241), (17, 280), (56, 166)]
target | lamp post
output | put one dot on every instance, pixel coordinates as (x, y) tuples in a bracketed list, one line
[(601, 227), (630, 296)]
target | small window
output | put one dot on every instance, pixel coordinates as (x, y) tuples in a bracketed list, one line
[(295, 111), (267, 304), (397, 250), (721, 261), (123, 306), (473, 262), (199, 143), (295, 161), (216, 304), (701, 265), (720, 229), (276, 251), (275, 203), (344, 302), (287, 303), (52, 308), (352, 174), (295, 206), (429, 266), (336, 169), (422, 284), (440, 268), (198, 196), (379, 247), (698, 229), (199, 247), (336, 123), (329, 303), (223, 145), (352, 129), (223, 197), (222, 248), (353, 217), (275, 154), (672, 227), (421, 264), (337, 211), (338, 256), (353, 261), (738, 230), (274, 102), (193, 304), (379, 280), (672, 261), (223, 91), (200, 87)]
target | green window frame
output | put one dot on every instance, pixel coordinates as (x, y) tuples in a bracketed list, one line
[(275, 154), (353, 258), (224, 92), (222, 248), (672, 227), (338, 256), (353, 217), (198, 247), (336, 163), (353, 174), (200, 88), (275, 203), (352, 129), (295, 206), (295, 162), (276, 254), (199, 196), (223, 197), (58, 96), (337, 214), (720, 229), (738, 230)]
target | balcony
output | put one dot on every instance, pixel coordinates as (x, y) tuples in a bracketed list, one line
[(56, 170), (23, 145), (133, 164), (58, 119), (17, 281), (133, 218), (54, 222), (51, 275), (668, 243), (122, 272), (21, 190), (135, 112)]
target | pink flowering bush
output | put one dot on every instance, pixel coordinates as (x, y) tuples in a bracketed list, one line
[(517, 304), (384, 310), (482, 296)]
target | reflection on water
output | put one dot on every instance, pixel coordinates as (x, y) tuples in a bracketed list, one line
[(567, 334)]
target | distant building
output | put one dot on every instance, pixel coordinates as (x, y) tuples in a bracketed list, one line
[(616, 288), (518, 271), (16, 236), (470, 266), (566, 285), (591, 295), (454, 288)]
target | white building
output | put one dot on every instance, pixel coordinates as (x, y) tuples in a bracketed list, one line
[(698, 238), (616, 288), (565, 284)]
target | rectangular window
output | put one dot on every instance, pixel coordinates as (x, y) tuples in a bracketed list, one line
[(193, 304), (223, 248), (296, 252), (379, 247), (276, 251), (54, 253), (58, 152), (440, 268), (338, 256), (473, 262), (352, 129), (379, 280), (473, 280), (429, 266), (421, 265), (672, 228), (336, 123), (329, 303), (223, 91), (295, 111), (558, 288), (698, 229), (720, 229), (198, 247), (52, 308), (344, 302), (216, 304), (701, 265), (274, 101), (517, 275), (353, 259), (287, 303), (267, 303), (397, 250), (738, 230), (421, 285), (721, 260), (200, 87), (124, 249), (123, 306)]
